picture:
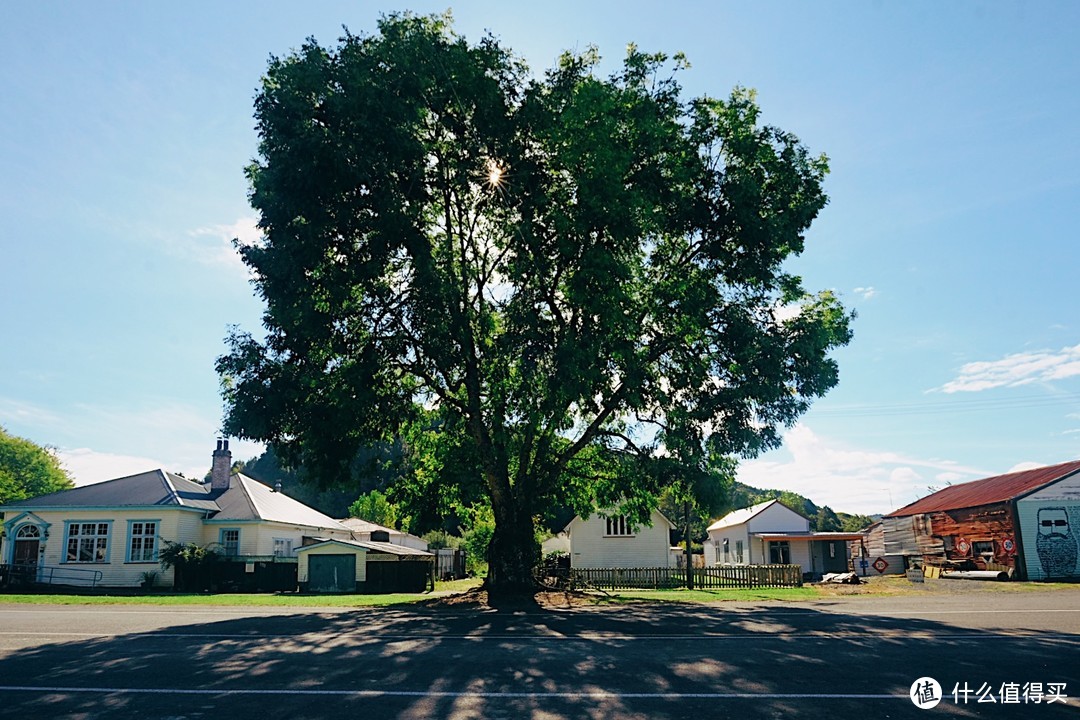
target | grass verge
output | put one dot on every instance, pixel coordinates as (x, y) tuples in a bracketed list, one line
[(244, 599), (681, 595)]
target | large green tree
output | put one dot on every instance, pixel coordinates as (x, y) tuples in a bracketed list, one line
[(527, 276), (28, 470)]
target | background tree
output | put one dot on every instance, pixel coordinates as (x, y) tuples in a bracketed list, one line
[(527, 277), (28, 470), (374, 507)]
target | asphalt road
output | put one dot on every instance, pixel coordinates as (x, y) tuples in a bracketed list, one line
[(842, 658)]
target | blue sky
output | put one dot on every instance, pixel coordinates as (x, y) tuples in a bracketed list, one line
[(951, 229)]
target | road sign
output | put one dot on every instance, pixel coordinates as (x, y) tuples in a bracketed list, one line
[(880, 564)]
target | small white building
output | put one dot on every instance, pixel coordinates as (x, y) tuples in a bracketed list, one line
[(770, 533), (612, 542), (367, 531)]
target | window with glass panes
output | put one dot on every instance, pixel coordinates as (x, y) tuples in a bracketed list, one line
[(230, 542), (779, 552), (142, 543), (617, 526), (87, 542)]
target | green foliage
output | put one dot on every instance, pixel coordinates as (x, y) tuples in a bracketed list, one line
[(28, 470), (854, 523), (439, 539), (477, 531), (194, 563), (528, 280), (374, 507), (186, 555)]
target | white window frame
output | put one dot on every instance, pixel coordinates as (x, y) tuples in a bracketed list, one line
[(783, 547), (145, 538), (283, 547), (97, 542), (618, 526), (228, 549)]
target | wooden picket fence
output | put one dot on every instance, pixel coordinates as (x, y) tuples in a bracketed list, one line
[(727, 576)]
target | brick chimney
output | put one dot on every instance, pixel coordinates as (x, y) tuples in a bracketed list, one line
[(222, 467)]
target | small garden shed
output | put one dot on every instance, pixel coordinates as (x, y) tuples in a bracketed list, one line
[(344, 566)]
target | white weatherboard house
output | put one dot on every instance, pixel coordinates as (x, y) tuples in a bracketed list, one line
[(110, 533), (770, 533), (612, 542)]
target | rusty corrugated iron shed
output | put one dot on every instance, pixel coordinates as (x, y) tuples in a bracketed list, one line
[(1000, 488)]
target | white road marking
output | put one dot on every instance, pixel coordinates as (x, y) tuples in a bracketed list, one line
[(377, 637), (453, 694)]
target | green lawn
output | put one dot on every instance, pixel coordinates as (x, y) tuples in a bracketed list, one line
[(682, 595), (877, 587), (245, 599)]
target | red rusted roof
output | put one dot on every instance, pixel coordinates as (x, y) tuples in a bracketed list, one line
[(988, 491)]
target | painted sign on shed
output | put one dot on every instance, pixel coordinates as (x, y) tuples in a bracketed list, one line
[(1049, 522)]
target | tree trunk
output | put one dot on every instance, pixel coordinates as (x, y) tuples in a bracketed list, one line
[(513, 553)]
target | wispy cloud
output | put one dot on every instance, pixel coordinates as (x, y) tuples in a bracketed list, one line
[(213, 244), (1014, 370), (105, 442), (865, 292), (852, 479), (23, 413)]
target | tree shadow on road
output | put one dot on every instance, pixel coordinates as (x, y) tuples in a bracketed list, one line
[(642, 661)]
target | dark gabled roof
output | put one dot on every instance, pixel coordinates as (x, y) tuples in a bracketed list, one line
[(997, 489), (156, 487), (246, 499)]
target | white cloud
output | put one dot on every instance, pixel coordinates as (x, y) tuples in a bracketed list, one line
[(212, 244), (865, 293), (1015, 370), (106, 442), (1021, 466), (88, 467), (850, 479)]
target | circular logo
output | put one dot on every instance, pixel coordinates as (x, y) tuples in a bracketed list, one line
[(925, 693), (880, 564), (962, 546), (1008, 544)]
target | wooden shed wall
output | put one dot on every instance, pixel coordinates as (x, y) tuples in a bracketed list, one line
[(938, 534)]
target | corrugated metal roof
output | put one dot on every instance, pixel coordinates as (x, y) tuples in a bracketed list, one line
[(738, 517), (361, 525), (378, 547), (249, 499), (988, 491)]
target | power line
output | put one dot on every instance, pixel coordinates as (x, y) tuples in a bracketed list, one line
[(952, 406)]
